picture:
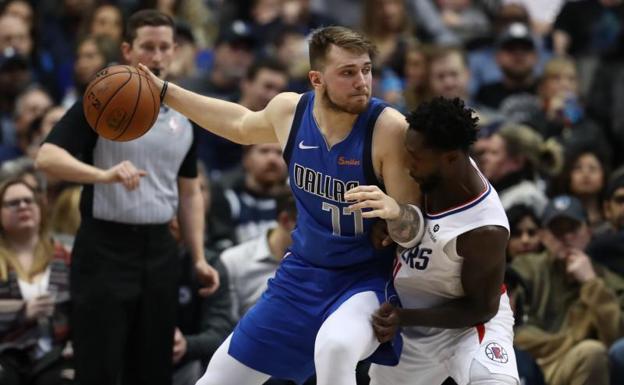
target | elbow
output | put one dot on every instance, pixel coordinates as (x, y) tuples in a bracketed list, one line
[(42, 161), (486, 312)]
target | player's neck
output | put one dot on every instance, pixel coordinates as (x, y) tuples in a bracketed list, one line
[(462, 184), (334, 125)]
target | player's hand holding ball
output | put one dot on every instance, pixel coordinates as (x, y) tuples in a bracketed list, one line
[(154, 80), (121, 103)]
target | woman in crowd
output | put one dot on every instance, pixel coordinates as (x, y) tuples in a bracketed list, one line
[(34, 292)]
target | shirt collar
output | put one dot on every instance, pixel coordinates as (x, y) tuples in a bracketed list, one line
[(262, 252)]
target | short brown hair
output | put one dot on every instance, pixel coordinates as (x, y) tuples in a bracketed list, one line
[(149, 17), (322, 39)]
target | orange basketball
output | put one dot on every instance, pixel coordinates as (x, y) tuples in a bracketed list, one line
[(120, 103)]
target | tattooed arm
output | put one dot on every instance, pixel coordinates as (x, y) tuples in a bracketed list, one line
[(408, 228)]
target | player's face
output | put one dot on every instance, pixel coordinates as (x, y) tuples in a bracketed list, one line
[(153, 46), (423, 161), (345, 81)]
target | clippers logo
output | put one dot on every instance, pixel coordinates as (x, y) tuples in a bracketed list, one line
[(496, 353)]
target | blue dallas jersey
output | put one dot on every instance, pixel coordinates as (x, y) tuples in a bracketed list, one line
[(328, 234)]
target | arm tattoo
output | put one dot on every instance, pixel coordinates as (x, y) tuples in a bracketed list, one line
[(406, 226)]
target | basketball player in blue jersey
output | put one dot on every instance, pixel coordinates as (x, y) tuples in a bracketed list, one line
[(316, 312)]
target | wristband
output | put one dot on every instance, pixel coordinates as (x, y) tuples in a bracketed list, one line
[(163, 91)]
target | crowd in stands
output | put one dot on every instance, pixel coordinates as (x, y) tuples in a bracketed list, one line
[(545, 77)]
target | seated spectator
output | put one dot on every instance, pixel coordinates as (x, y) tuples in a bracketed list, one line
[(512, 160), (517, 58), (416, 75), (583, 176), (575, 312), (30, 105), (524, 228), (202, 322), (608, 247), (34, 292), (561, 114), (465, 19), (249, 207), (105, 20), (251, 264), (92, 54)]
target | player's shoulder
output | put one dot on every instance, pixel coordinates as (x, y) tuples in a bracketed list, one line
[(284, 102), (391, 122)]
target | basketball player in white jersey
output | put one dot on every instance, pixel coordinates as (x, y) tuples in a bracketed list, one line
[(455, 315)]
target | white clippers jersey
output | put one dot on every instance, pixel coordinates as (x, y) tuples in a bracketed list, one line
[(429, 275)]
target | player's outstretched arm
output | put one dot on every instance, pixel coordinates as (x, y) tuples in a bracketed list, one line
[(226, 119), (483, 251)]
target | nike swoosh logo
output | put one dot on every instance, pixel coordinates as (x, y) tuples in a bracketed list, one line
[(304, 147)]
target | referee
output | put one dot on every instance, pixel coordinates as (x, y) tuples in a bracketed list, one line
[(124, 273)]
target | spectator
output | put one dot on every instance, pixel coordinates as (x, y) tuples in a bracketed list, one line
[(387, 24), (34, 292), (561, 114), (250, 264), (517, 57), (608, 247), (184, 64), (576, 310), (232, 57), (30, 106), (524, 226), (541, 13), (15, 71), (195, 13), (93, 54), (416, 71), (125, 261), (291, 49), (106, 20), (603, 98), (449, 74), (250, 202), (298, 13), (465, 19), (264, 80), (584, 176), (202, 323), (513, 158)]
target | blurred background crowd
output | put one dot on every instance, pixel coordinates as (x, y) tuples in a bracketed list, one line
[(546, 78)]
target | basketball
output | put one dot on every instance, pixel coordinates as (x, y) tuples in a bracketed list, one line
[(120, 103)]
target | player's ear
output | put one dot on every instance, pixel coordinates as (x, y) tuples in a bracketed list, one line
[(125, 51), (315, 78)]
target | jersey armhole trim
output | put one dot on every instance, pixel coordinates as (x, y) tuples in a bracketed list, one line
[(367, 157), (294, 128)]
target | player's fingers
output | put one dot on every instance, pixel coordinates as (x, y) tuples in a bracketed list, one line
[(373, 214), (142, 173), (387, 241), (362, 188)]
